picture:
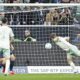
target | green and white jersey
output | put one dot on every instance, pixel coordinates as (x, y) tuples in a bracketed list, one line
[(5, 34), (62, 43), (65, 45)]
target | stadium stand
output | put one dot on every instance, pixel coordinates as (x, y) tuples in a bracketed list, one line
[(40, 1), (32, 19), (40, 15)]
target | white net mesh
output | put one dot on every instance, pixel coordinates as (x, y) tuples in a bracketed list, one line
[(34, 53), (40, 21)]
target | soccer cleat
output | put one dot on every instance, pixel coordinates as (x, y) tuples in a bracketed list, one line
[(76, 72), (11, 72)]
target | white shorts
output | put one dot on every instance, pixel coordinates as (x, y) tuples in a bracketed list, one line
[(74, 51), (5, 52)]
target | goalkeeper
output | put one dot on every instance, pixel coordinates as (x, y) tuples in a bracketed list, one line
[(72, 50)]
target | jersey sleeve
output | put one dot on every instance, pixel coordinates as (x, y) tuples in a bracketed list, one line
[(67, 38), (56, 39), (11, 33)]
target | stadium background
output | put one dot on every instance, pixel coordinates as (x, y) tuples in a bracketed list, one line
[(34, 53), (33, 19)]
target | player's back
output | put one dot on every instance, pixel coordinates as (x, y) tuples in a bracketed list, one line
[(5, 32), (62, 43)]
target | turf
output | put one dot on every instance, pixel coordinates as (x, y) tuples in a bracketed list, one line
[(41, 77)]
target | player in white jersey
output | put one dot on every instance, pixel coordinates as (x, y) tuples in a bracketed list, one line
[(6, 36), (72, 50)]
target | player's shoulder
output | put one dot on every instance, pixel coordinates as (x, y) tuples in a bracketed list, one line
[(61, 37), (56, 39), (9, 28)]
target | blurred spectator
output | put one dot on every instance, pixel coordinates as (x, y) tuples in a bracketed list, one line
[(65, 1), (46, 1), (66, 10), (1, 1), (49, 18), (77, 39), (55, 1), (26, 1), (39, 16), (52, 18), (55, 17), (72, 1), (63, 19), (28, 37), (66, 17), (33, 1), (2, 15), (40, 1), (77, 1), (12, 1), (0, 23)]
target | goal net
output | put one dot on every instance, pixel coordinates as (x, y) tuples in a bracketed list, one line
[(40, 22), (34, 53)]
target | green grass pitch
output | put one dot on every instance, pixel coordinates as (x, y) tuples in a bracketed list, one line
[(41, 77)]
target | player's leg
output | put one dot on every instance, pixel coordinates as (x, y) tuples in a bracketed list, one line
[(78, 53), (71, 63), (1, 62), (6, 55), (70, 60), (1, 58), (12, 60), (75, 51)]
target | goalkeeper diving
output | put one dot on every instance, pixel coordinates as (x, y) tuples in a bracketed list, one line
[(71, 50)]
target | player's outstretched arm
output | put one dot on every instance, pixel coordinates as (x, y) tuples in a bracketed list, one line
[(67, 38)]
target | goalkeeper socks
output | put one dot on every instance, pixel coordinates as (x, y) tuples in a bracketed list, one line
[(11, 65), (72, 65)]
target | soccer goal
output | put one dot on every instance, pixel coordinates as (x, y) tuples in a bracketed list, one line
[(31, 35), (35, 57)]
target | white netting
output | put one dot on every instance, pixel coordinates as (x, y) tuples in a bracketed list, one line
[(33, 19), (32, 53)]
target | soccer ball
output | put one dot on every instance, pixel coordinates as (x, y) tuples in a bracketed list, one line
[(48, 46)]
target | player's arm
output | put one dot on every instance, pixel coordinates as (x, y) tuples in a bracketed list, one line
[(56, 39), (11, 39), (11, 46), (67, 38), (12, 56), (11, 36)]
